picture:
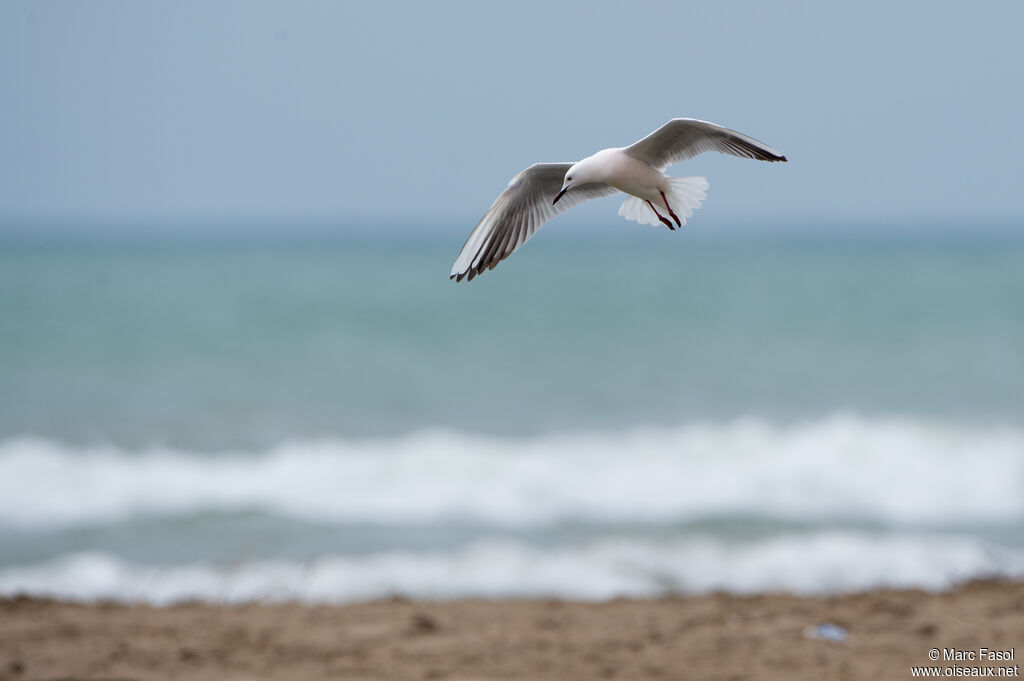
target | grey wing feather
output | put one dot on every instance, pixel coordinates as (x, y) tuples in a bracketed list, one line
[(517, 214), (683, 138)]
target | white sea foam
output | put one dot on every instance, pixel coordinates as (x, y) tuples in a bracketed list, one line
[(827, 562), (885, 470)]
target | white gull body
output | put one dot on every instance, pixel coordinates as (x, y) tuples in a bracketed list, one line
[(544, 190)]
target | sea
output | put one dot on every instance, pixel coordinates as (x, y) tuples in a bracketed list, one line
[(291, 413)]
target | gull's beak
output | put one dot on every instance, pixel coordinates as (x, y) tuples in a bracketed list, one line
[(564, 190)]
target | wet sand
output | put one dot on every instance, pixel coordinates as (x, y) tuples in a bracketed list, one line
[(703, 637)]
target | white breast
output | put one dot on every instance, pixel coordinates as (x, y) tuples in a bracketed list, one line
[(627, 174)]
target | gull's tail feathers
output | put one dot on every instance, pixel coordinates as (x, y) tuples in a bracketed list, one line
[(685, 195)]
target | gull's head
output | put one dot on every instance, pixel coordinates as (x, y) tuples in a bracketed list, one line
[(571, 177)]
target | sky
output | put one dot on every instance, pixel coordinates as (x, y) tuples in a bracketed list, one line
[(421, 112)]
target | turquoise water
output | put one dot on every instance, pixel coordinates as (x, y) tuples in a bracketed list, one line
[(171, 409), (212, 347)]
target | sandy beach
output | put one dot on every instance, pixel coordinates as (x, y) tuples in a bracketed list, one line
[(705, 637)]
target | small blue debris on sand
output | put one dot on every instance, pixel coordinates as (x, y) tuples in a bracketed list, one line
[(827, 632)]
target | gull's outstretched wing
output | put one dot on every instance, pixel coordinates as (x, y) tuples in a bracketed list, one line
[(683, 138), (518, 213)]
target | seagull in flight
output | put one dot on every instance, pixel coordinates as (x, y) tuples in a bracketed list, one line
[(545, 190)]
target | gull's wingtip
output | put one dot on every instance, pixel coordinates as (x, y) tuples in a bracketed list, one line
[(771, 156), (459, 271)]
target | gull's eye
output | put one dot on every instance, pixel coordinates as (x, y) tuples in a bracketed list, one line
[(568, 179)]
